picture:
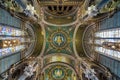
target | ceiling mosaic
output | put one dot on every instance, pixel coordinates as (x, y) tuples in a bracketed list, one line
[(59, 40), (58, 72)]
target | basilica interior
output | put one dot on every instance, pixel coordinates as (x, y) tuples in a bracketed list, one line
[(59, 39)]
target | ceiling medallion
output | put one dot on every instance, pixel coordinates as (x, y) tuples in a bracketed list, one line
[(59, 39), (58, 73)]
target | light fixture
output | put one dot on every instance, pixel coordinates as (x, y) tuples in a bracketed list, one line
[(4, 45), (113, 47), (10, 45), (5, 41), (9, 42), (14, 41)]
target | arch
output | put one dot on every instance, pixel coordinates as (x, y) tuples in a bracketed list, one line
[(61, 54), (62, 64), (74, 38), (44, 41)]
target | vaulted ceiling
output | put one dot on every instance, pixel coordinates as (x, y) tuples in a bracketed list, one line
[(64, 23), (59, 26)]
